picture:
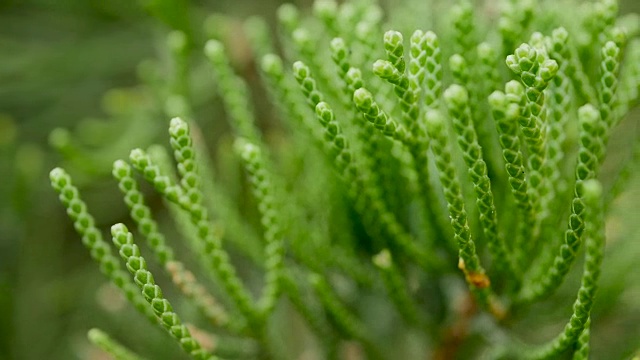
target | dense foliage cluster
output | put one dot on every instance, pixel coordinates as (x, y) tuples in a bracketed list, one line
[(421, 191)]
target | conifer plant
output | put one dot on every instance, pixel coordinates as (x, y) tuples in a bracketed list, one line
[(435, 174)]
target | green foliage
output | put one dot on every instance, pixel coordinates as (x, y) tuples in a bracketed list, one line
[(347, 228)]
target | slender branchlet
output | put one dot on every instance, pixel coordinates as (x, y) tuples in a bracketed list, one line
[(92, 239), (394, 47), (591, 135), (393, 71), (536, 70), (505, 115), (561, 108), (308, 52), (262, 186), (469, 262), (375, 115), (233, 91), (341, 58), (189, 197), (107, 344), (284, 92), (307, 83), (591, 192), (433, 76), (148, 227), (582, 345), (457, 100), (609, 68), (152, 293)]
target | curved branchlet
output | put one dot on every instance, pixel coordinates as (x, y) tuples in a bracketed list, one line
[(609, 68), (505, 115), (561, 109), (378, 118), (417, 63), (152, 293), (233, 91), (284, 93), (536, 70), (591, 134), (433, 75), (307, 83), (591, 192), (92, 239), (457, 100), (141, 213), (394, 47), (148, 227), (262, 186), (102, 340), (393, 72), (469, 261), (582, 345), (340, 54), (306, 46), (189, 197)]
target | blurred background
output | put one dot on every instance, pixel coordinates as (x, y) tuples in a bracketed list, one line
[(79, 84)]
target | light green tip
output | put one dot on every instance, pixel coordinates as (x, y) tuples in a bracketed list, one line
[(121, 169), (434, 120), (177, 41), (58, 174), (323, 109), (588, 114), (325, 8), (384, 69), (271, 64), (301, 70), (383, 259), (393, 38), (288, 14), (213, 49), (246, 149), (363, 98), (337, 44), (301, 36), (457, 62), (498, 100), (118, 230), (456, 95), (59, 138)]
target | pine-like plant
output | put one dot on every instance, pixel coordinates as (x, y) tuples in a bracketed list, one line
[(420, 194)]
